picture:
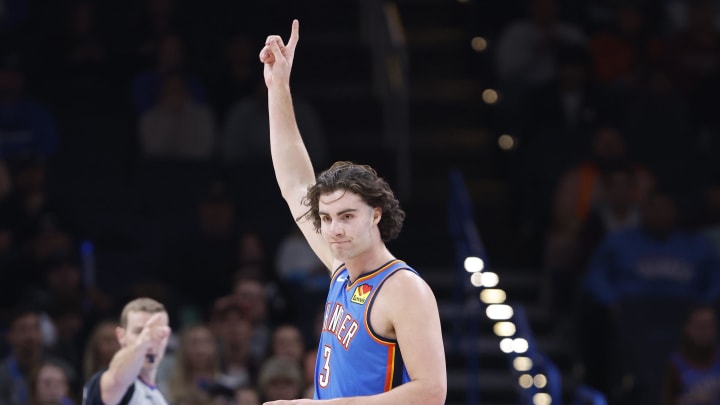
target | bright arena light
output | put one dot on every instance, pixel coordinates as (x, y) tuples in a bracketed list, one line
[(504, 329), (520, 345), (542, 398), (474, 264), (490, 96), (476, 279), (540, 381), (525, 381), (506, 142), (479, 44), (506, 345), (489, 279), (522, 363), (499, 312), (492, 296)]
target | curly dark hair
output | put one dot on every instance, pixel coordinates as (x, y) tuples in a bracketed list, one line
[(364, 181)]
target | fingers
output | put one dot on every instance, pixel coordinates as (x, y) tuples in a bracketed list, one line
[(158, 318), (275, 50), (294, 34)]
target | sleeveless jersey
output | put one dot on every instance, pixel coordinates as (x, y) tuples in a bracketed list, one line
[(352, 359)]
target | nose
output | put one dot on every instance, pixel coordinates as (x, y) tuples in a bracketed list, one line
[(336, 228)]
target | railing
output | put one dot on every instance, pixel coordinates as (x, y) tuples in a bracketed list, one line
[(383, 29), (468, 243)]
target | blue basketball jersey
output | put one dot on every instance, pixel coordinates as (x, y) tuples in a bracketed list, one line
[(352, 359), (699, 382)]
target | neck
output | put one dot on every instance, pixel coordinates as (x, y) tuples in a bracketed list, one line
[(368, 261), (148, 376)]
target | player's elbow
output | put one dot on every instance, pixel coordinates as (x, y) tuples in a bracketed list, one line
[(435, 392)]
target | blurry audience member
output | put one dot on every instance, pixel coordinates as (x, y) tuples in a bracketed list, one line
[(693, 376), (169, 53), (625, 50), (210, 249), (251, 255), (238, 73), (100, 348), (710, 226), (279, 379), (50, 384), (526, 51), (581, 189), (694, 61), (288, 342), (177, 127), (233, 332), (26, 353), (252, 297), (27, 128), (85, 53), (247, 396), (653, 259), (197, 364), (309, 359), (246, 129)]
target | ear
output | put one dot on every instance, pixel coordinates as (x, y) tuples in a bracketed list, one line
[(377, 215)]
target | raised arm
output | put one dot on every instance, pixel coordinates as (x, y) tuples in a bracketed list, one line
[(293, 169), (125, 366)]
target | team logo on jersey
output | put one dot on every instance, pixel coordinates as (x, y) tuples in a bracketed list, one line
[(361, 293)]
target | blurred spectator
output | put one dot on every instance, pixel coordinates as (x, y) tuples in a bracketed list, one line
[(251, 255), (210, 250), (51, 384), (233, 332), (279, 379), (177, 126), (100, 348), (238, 73), (309, 360), (303, 278), (247, 396), (148, 85), (252, 296), (625, 50), (581, 189), (84, 52), (246, 130), (693, 376), (197, 364), (27, 128), (526, 49), (655, 258), (26, 353), (710, 227), (694, 61), (619, 211), (564, 109), (288, 342)]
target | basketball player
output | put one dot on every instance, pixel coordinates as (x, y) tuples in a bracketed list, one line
[(130, 379), (381, 341)]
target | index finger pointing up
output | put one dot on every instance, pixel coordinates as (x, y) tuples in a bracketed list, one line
[(294, 34)]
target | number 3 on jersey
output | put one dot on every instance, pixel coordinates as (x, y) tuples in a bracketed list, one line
[(324, 376)]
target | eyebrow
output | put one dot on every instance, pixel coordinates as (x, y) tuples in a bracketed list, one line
[(339, 213)]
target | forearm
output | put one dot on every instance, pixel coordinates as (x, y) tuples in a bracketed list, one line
[(122, 372), (413, 392), (291, 161)]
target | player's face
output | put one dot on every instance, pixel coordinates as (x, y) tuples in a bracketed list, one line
[(347, 223), (129, 335)]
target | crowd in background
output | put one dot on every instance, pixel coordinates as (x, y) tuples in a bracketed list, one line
[(134, 161)]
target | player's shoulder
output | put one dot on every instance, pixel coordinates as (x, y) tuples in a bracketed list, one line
[(405, 283)]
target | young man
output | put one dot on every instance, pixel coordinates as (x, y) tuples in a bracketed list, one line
[(130, 379), (381, 341)]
